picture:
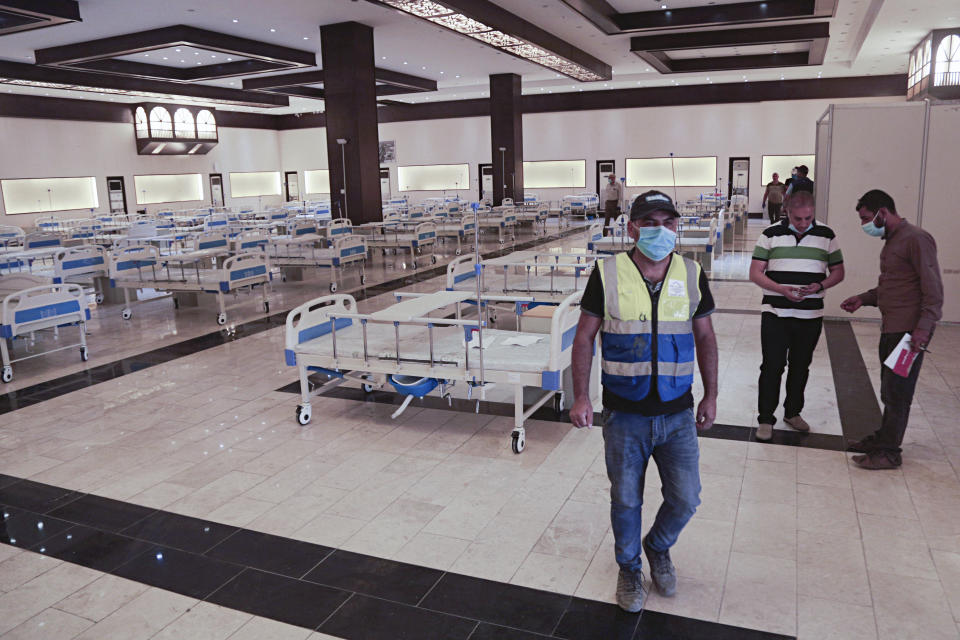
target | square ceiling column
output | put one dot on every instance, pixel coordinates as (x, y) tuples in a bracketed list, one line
[(506, 137), (350, 94)]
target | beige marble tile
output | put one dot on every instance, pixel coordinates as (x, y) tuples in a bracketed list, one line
[(428, 550), (205, 621), (24, 567), (948, 569), (550, 573), (41, 592), (266, 629), (101, 597), (329, 530), (825, 619), (694, 599), (910, 607), (576, 532), (51, 624), (827, 509), (142, 617), (833, 567), (766, 529), (703, 549), (760, 592), (898, 555)]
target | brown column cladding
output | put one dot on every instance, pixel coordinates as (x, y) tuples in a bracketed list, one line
[(506, 132), (351, 115)]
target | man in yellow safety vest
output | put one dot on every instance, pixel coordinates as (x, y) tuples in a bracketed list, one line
[(652, 309)]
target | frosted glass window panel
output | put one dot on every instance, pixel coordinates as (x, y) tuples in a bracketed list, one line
[(433, 177), (160, 124), (672, 172), (548, 174), (255, 183), (317, 181), (206, 125), (33, 195), (177, 187), (183, 123), (141, 123), (784, 165)]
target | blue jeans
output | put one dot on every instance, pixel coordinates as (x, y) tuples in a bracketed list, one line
[(629, 441)]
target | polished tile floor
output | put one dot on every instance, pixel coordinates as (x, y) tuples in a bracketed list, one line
[(180, 499)]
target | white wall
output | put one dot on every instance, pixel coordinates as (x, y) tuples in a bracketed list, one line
[(34, 148), (748, 129)]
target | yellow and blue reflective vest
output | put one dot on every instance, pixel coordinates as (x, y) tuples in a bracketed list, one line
[(634, 334)]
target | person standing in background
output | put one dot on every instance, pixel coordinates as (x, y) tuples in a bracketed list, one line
[(794, 262), (773, 198), (800, 182), (611, 195), (910, 296)]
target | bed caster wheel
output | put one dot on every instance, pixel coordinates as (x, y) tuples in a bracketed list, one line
[(84, 355), (458, 252), (433, 259), (558, 403), (221, 319), (333, 287), (7, 374), (518, 441), (304, 415), (176, 303), (367, 388), (266, 307), (363, 279), (98, 298), (127, 313)]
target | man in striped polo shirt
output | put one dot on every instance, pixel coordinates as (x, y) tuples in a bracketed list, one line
[(794, 262)]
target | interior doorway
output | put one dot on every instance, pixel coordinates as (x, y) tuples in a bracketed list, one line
[(292, 185), (486, 181), (738, 183), (604, 168), (216, 189)]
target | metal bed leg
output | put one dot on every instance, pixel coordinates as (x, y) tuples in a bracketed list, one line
[(304, 411), (518, 438), (5, 353)]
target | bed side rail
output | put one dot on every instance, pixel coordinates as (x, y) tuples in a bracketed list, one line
[(460, 270), (563, 328), (347, 247), (340, 226), (302, 227), (80, 261), (243, 269)]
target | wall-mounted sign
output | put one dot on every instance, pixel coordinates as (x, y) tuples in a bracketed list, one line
[(388, 151)]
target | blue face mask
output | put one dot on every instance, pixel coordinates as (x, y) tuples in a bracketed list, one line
[(656, 242), (797, 231), (871, 228)]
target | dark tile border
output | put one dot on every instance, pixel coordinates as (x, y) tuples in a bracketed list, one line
[(719, 431), (40, 392), (347, 594), (856, 400)]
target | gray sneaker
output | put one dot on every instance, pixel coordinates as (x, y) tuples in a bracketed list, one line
[(662, 571), (631, 591), (764, 431)]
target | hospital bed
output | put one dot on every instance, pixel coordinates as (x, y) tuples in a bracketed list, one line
[(394, 234), (533, 213), (581, 204), (11, 237), (305, 250), (410, 348), (32, 303), (502, 218), (461, 229), (141, 267), (544, 277)]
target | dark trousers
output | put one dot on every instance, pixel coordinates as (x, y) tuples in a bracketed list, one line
[(610, 212), (785, 341), (773, 210), (896, 393)]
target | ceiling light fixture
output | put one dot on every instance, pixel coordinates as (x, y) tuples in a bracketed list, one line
[(440, 14)]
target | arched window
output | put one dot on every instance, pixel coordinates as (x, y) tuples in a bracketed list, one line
[(923, 65), (912, 75), (948, 62), (206, 126), (183, 123), (160, 124), (140, 122)]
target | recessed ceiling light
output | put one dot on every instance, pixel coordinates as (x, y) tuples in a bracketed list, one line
[(456, 76), (235, 20), (272, 30), (423, 68), (146, 55), (441, 73), (229, 59), (404, 62), (177, 50), (306, 37), (196, 53), (183, 61)]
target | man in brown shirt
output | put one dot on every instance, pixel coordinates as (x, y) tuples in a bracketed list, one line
[(910, 296), (773, 198)]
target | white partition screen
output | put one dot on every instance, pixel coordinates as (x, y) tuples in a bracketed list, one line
[(177, 187), (36, 195), (545, 174), (672, 172), (254, 183), (316, 181), (784, 165), (433, 177)]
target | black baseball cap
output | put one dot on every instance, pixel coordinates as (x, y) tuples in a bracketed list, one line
[(650, 201)]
